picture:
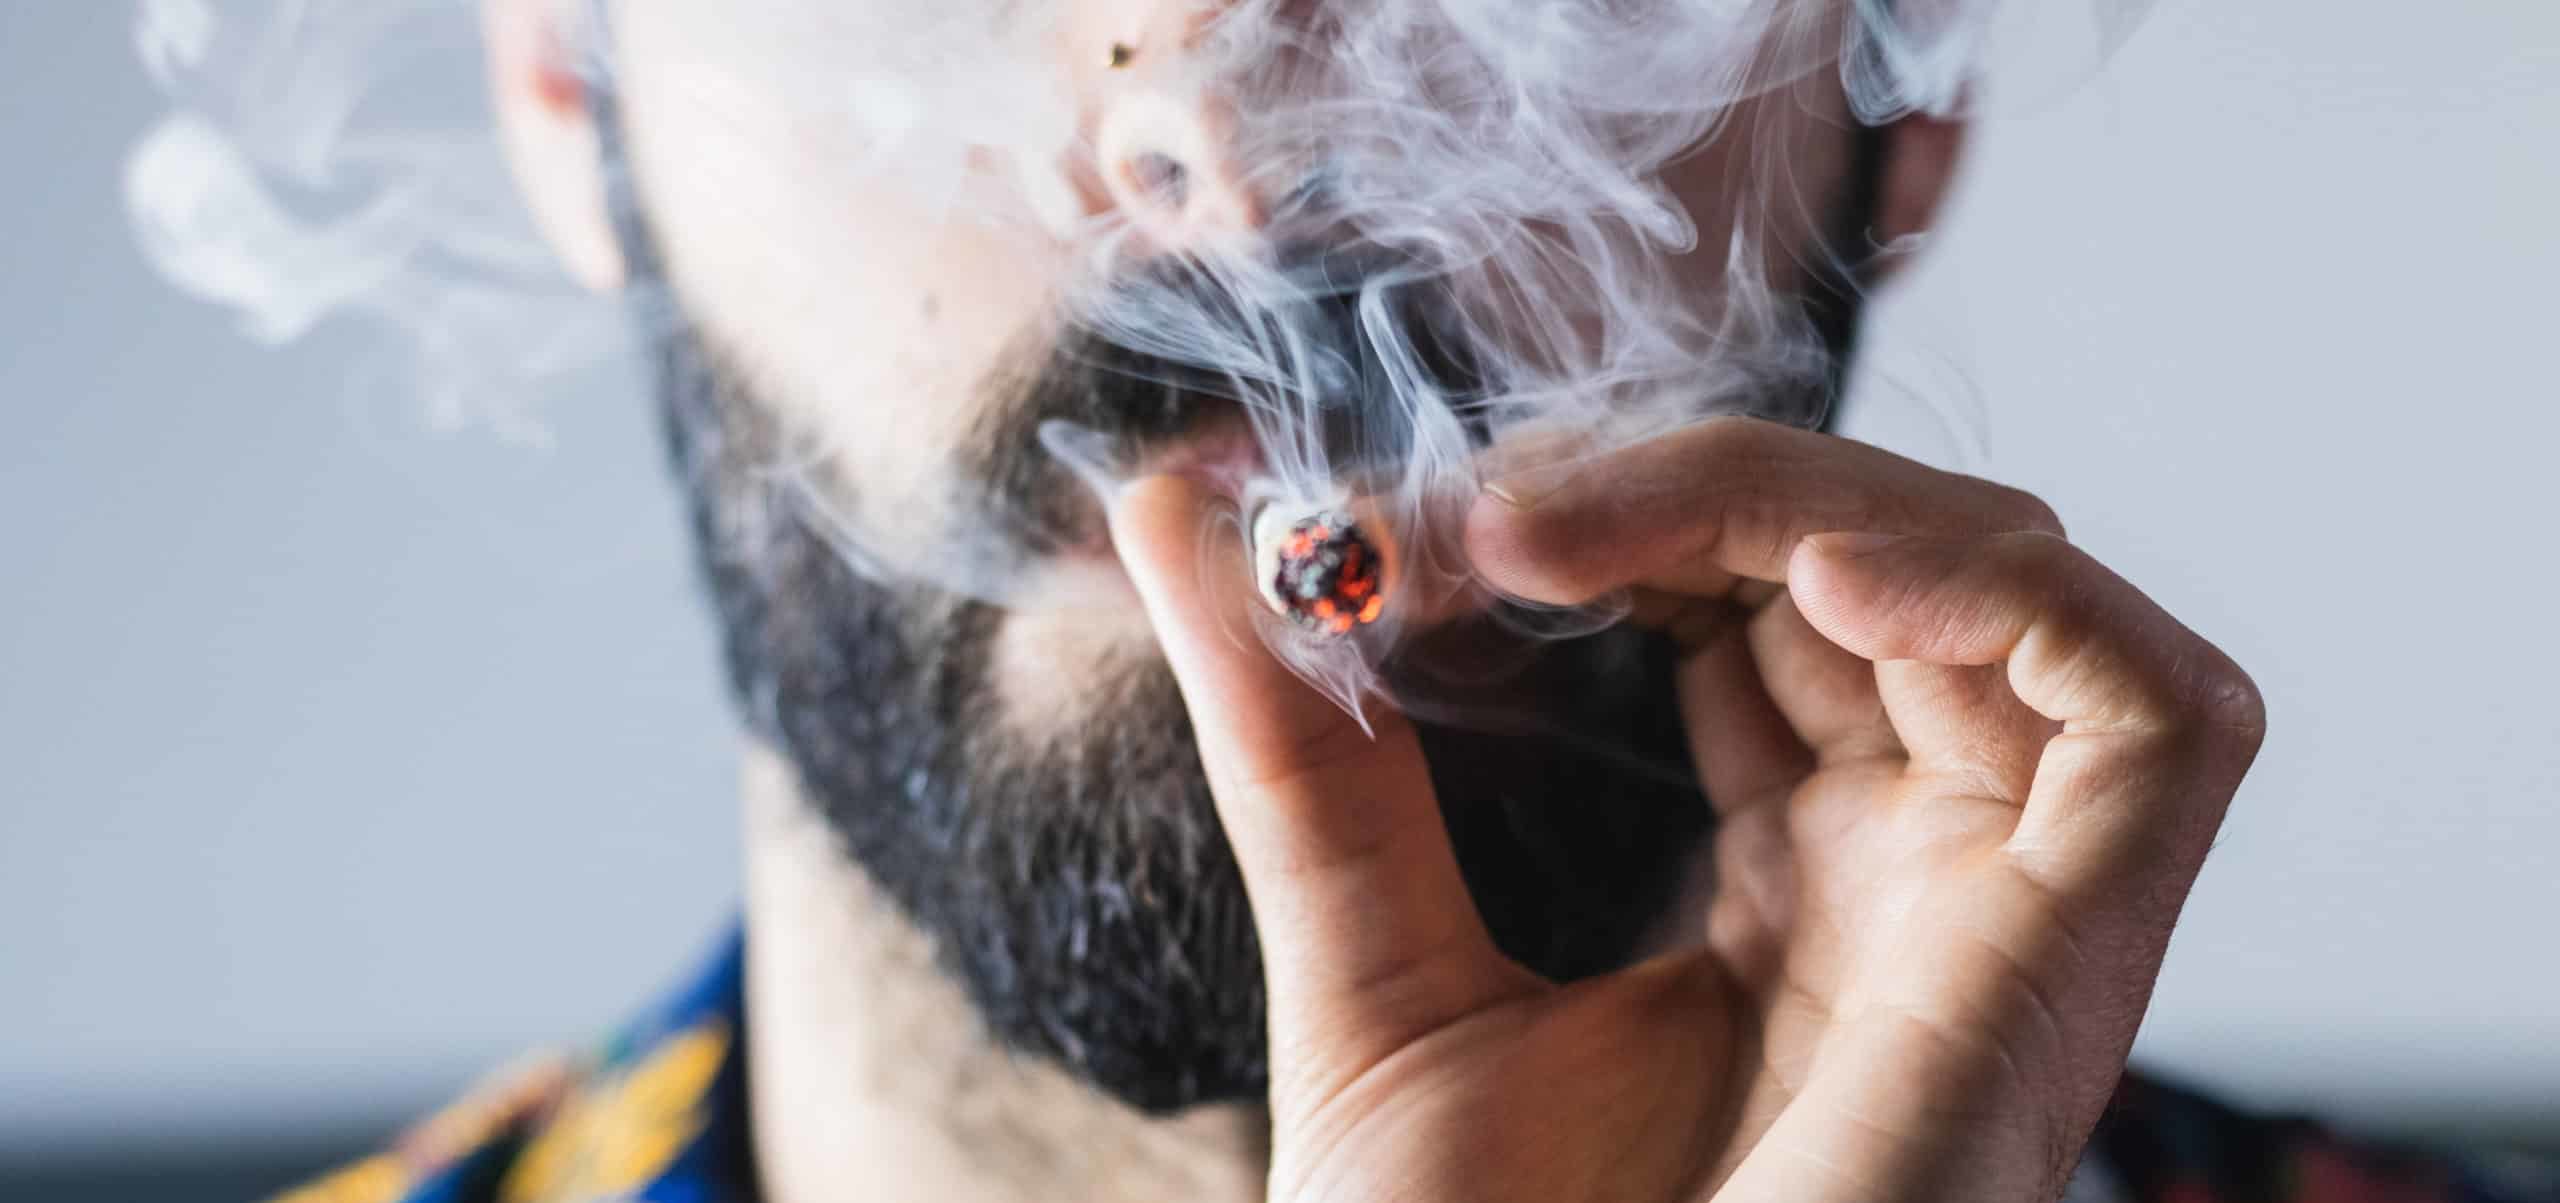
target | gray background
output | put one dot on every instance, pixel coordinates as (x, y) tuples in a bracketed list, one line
[(341, 759)]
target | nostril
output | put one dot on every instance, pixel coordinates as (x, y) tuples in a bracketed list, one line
[(1161, 179), (1168, 161)]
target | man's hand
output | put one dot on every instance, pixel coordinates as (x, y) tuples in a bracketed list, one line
[(1966, 778)]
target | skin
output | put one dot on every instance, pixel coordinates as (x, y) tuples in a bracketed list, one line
[(873, 320), (1967, 775)]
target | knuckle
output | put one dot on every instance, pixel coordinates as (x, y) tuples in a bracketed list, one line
[(2046, 559), (2216, 707), (2001, 508), (2015, 509), (2231, 705), (2213, 720)]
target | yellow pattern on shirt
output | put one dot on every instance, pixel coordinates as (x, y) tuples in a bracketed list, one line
[(503, 1101), (378, 1179), (623, 1130)]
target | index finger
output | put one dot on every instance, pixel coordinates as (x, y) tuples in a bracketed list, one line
[(1727, 499), (1369, 936)]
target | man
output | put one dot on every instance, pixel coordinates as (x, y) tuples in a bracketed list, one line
[(1839, 868)]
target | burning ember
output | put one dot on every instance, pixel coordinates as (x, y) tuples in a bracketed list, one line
[(1322, 572)]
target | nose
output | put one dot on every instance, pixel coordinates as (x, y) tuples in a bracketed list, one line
[(1168, 157)]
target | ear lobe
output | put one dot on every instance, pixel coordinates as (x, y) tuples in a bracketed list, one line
[(549, 131), (1920, 155)]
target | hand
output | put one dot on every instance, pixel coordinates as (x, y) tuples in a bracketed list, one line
[(1966, 777)]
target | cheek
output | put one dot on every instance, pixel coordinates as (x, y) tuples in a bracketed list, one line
[(865, 317), (1049, 668)]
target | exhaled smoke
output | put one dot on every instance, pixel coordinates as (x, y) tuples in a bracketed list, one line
[(334, 157), (1462, 233)]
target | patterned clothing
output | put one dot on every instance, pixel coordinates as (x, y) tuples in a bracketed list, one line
[(659, 1115)]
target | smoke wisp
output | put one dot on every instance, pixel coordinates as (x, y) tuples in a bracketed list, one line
[(1461, 238)]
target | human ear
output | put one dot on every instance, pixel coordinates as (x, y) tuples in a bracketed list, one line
[(549, 130)]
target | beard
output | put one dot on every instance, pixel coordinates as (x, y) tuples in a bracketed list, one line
[(1076, 884)]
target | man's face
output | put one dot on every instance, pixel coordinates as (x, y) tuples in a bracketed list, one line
[(890, 235), (890, 216)]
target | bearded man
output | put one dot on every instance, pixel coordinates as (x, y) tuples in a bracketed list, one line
[(1825, 848)]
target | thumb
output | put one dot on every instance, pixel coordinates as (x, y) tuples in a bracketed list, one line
[(1369, 938)]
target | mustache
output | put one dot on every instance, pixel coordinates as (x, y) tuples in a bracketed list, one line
[(1358, 324)]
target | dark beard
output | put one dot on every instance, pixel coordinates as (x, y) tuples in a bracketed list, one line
[(1078, 888)]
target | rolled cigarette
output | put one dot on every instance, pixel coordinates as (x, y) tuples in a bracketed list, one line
[(1320, 567)]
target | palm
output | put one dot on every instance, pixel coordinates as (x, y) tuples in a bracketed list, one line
[(1499, 1102), (1830, 888), (1688, 1059)]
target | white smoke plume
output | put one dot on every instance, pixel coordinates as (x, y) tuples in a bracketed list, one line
[(318, 162), (1500, 159)]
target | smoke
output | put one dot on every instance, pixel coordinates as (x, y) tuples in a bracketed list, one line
[(1462, 237), (329, 158)]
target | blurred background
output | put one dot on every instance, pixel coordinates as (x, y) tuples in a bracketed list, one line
[(342, 758)]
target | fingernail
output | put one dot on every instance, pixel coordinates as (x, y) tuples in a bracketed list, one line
[(1849, 545), (1526, 490)]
